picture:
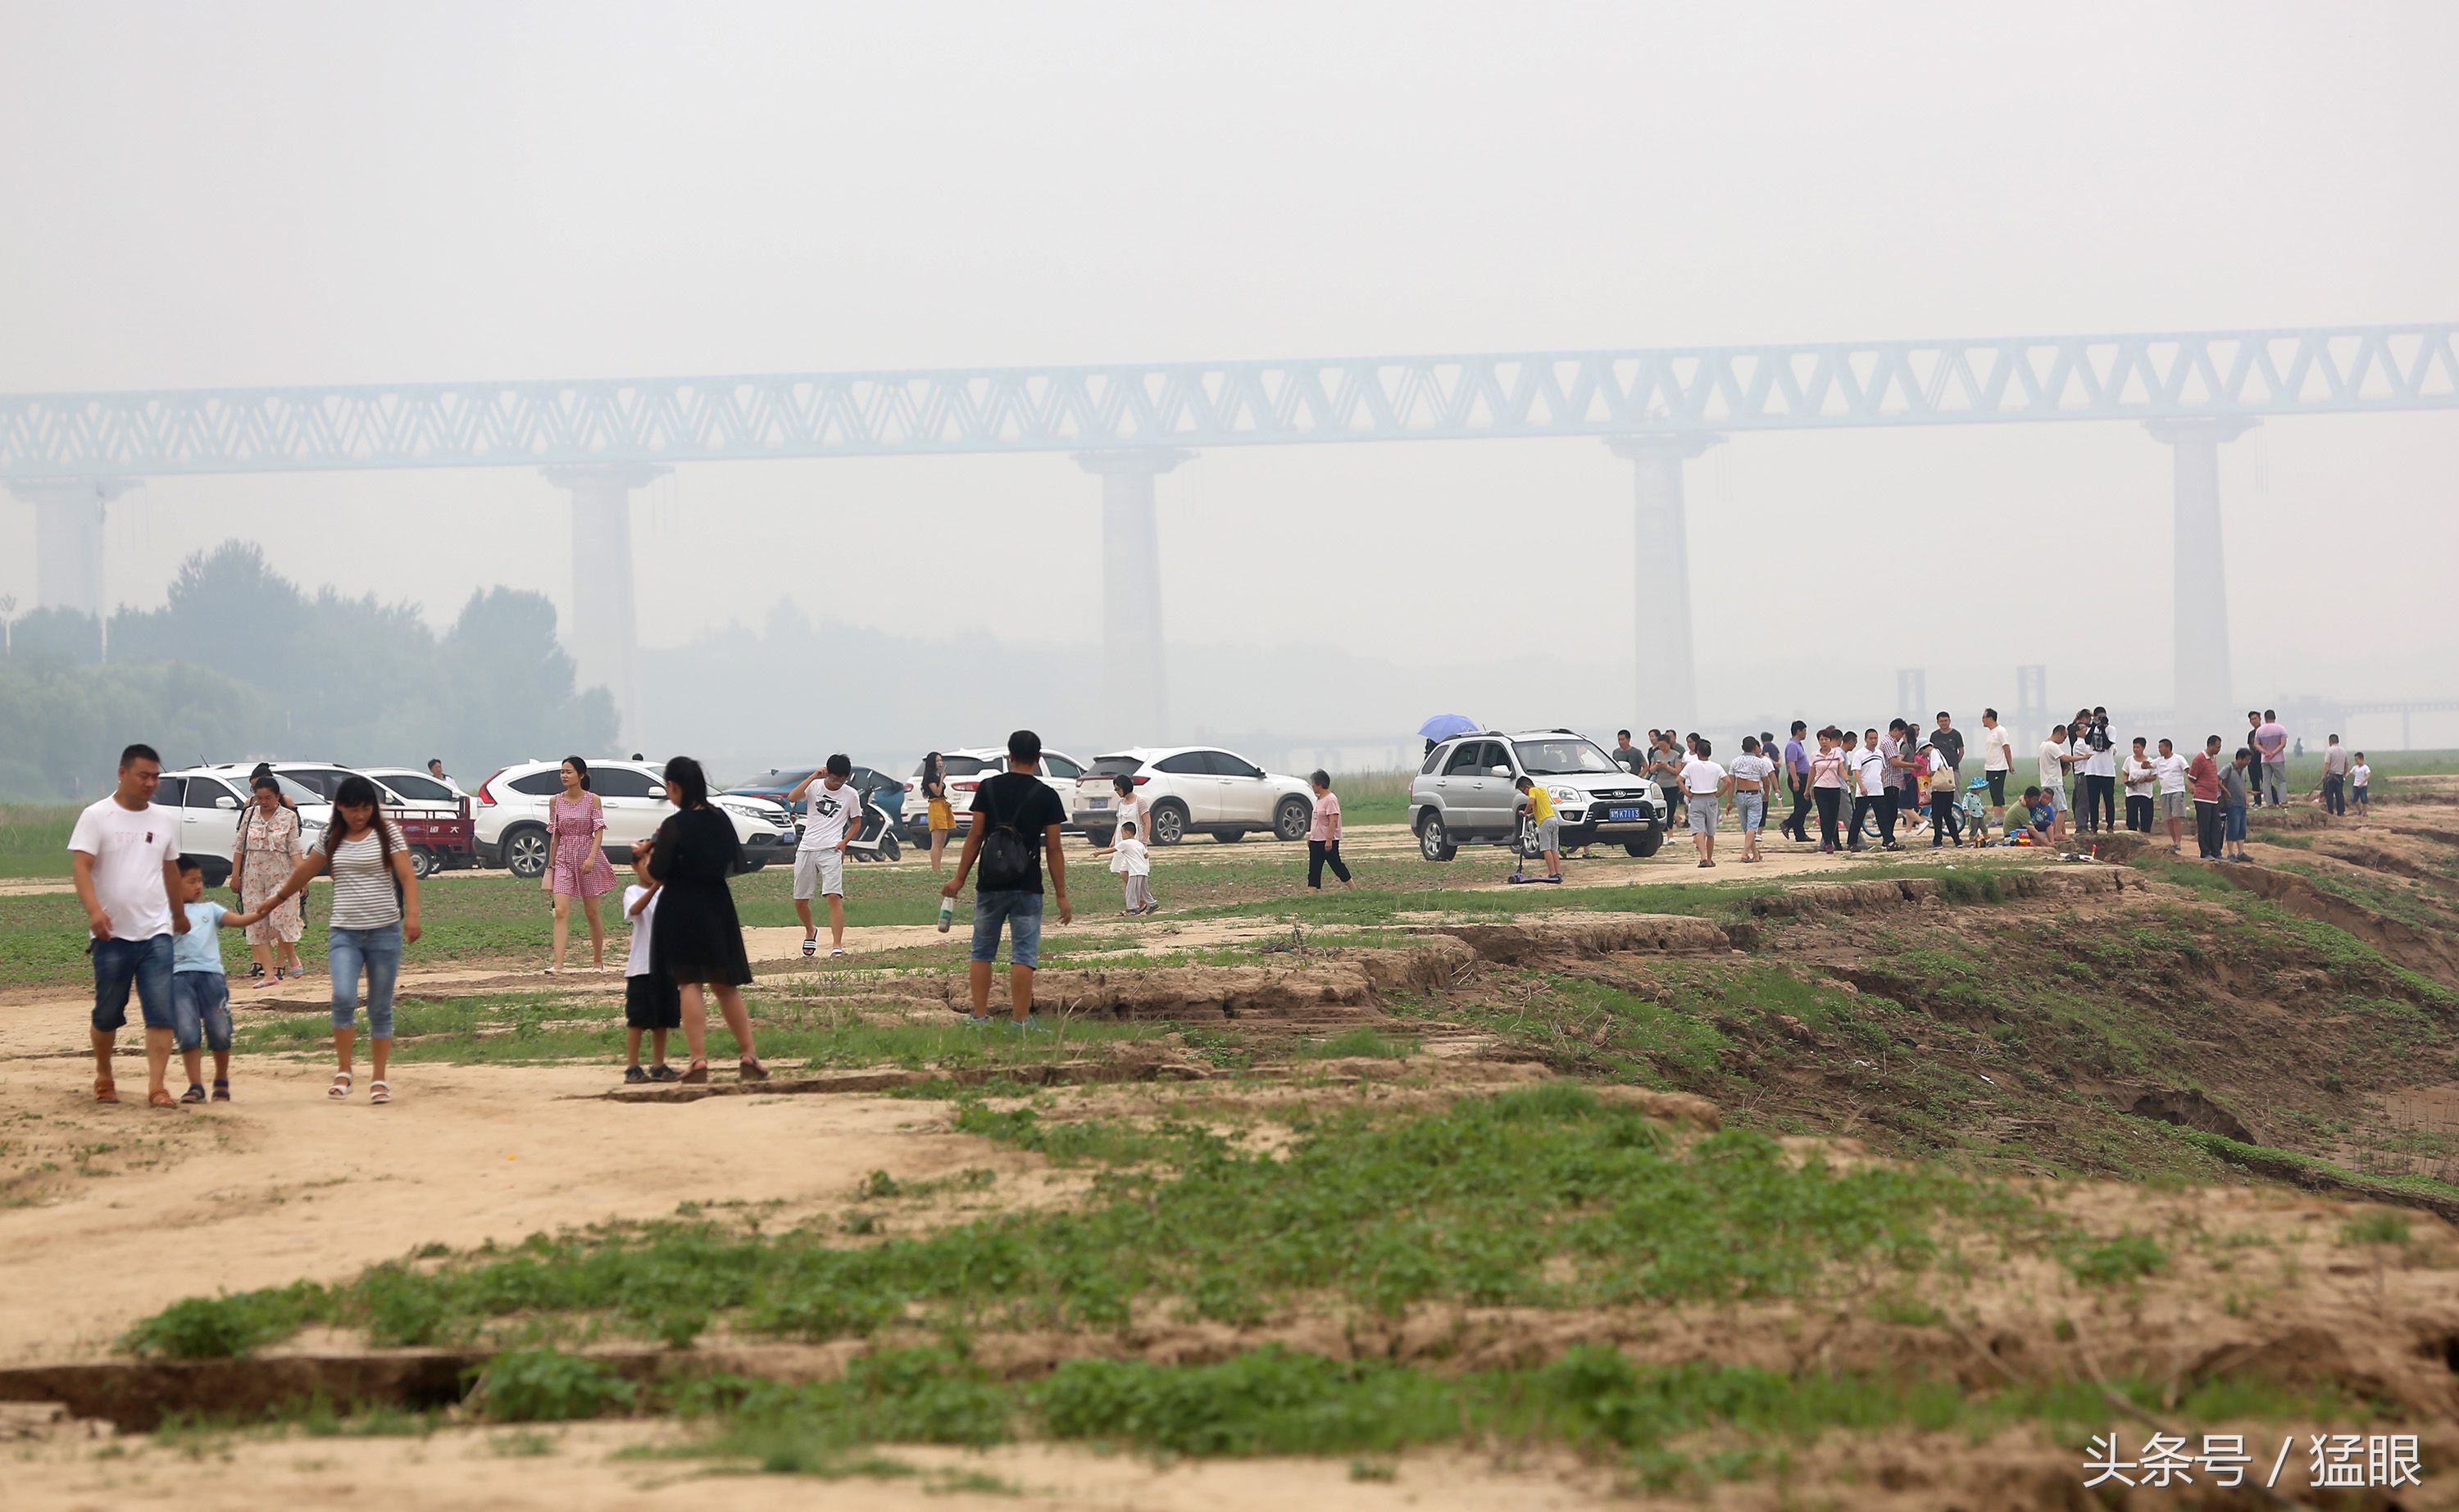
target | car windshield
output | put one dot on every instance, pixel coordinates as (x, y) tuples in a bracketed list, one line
[(1561, 758), (1116, 766)]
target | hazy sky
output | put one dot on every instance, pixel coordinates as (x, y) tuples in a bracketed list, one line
[(274, 193)]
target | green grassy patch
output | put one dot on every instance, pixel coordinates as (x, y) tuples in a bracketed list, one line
[(34, 839)]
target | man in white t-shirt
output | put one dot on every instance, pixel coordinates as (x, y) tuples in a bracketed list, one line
[(2169, 768), (1704, 788), (2271, 744), (834, 818), (2056, 754), (1997, 760), (125, 854), (1869, 769), (2335, 777)]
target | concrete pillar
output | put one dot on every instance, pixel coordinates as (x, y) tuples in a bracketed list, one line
[(604, 634), (1134, 689), (68, 538), (1669, 678), (2199, 652)]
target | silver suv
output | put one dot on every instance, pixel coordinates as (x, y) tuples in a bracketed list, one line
[(1467, 793)]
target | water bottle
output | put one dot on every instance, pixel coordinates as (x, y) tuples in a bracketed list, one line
[(946, 914)]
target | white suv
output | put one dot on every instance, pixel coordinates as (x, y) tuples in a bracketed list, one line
[(965, 769), (511, 814), (208, 800), (1193, 788), (1468, 794)]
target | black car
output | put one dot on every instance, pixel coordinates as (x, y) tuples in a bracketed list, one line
[(875, 787)]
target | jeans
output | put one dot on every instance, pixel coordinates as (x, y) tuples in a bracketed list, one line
[(1945, 820), (145, 964), (2335, 795), (201, 1010), (1830, 799), (2207, 828), (1321, 854), (1021, 911), (2236, 817), (2275, 782), (2138, 812), (379, 951), (2100, 802), (1753, 807)]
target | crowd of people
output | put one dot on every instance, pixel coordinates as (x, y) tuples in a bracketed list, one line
[(152, 932)]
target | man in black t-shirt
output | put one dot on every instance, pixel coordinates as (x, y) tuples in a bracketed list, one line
[(1017, 820)]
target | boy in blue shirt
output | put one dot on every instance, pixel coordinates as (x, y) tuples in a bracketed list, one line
[(199, 991)]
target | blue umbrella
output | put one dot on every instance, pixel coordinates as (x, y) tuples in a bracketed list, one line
[(1443, 726)]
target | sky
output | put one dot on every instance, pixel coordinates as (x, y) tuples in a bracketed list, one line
[(311, 193)]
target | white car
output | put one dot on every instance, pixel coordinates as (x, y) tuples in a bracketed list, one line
[(1195, 788), (511, 814), (209, 799), (965, 769)]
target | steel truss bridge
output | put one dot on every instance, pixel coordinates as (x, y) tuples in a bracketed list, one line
[(71, 454)]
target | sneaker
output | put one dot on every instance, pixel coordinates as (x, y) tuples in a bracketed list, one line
[(1026, 1026), (634, 1076), (663, 1071), (978, 1020)]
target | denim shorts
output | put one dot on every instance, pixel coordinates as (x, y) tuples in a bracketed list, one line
[(122, 963), (2234, 816), (1753, 807), (379, 951), (201, 1010), (1021, 911)]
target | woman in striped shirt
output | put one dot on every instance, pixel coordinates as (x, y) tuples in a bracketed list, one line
[(375, 912)]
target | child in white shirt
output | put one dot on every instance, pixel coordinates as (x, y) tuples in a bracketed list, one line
[(651, 1002), (1127, 858), (2358, 776)]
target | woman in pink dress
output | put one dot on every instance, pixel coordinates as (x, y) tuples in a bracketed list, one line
[(576, 861)]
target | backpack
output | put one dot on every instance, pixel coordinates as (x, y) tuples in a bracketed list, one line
[(1006, 858)]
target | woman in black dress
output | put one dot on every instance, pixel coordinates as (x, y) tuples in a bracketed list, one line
[(698, 940)]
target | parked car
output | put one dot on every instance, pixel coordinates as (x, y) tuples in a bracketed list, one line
[(1190, 789), (1467, 793), (435, 820), (965, 769), (511, 814), (876, 786), (209, 799)]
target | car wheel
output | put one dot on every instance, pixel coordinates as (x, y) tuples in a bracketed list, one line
[(1648, 847), (525, 853), (1525, 844), (421, 861), (1099, 837), (1290, 821), (1434, 842), (1169, 822)]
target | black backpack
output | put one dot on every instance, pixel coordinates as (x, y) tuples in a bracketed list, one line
[(1006, 859)]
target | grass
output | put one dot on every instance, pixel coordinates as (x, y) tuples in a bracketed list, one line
[(1544, 1197), (34, 839)]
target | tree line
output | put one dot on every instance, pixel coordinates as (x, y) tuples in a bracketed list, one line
[(240, 662)]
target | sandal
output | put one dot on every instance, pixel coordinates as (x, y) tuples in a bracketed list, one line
[(750, 1071), (194, 1094), (222, 1089), (161, 1100), (341, 1087), (104, 1090), (379, 1092), (695, 1074), (663, 1071)]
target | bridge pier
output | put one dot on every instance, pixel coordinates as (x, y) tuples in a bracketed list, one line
[(604, 634), (2198, 604), (68, 538), (1134, 694), (1668, 680)]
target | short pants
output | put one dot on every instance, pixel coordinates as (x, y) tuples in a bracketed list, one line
[(201, 1010), (1703, 813), (1753, 807), (1549, 836), (2176, 805), (651, 1002), (2356, 794), (145, 964), (819, 873), (1021, 911)]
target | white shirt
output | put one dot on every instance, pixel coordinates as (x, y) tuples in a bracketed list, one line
[(2359, 774), (1997, 749), (824, 825), (637, 963), (128, 847), (1132, 812), (2172, 770), (1131, 858), (1748, 767), (2140, 777), (2053, 766), (2100, 763), (1872, 769), (1700, 779)]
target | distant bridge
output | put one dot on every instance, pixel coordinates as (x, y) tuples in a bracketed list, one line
[(71, 454)]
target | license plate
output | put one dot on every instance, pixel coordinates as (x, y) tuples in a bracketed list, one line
[(1097, 802), (1625, 816)]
